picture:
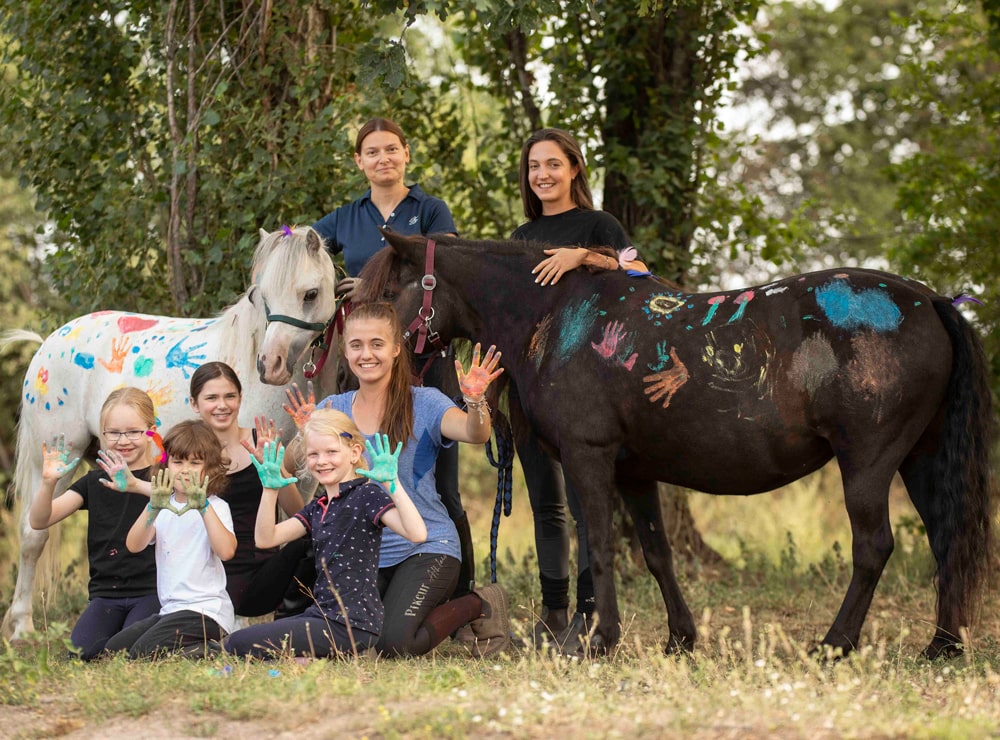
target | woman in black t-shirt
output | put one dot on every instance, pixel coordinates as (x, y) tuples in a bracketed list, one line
[(257, 579), (561, 215)]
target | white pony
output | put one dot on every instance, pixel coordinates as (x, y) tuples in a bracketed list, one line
[(263, 337)]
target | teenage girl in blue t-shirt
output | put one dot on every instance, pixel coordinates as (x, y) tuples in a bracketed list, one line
[(416, 580)]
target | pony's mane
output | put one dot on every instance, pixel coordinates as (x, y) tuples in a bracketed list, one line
[(295, 249), (246, 317)]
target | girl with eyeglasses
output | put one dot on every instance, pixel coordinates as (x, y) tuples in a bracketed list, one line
[(122, 586)]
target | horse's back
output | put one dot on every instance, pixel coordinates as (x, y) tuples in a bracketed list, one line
[(744, 390)]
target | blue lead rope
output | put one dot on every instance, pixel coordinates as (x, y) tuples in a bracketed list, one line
[(504, 463)]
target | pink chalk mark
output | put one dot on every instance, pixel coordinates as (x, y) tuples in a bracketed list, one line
[(135, 323), (716, 299)]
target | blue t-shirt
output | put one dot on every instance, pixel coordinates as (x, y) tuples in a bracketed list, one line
[(354, 228), (346, 531), (416, 473)]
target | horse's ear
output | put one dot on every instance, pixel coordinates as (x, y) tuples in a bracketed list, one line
[(252, 294), (313, 241), (263, 235)]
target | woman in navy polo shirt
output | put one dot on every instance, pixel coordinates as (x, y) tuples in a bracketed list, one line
[(381, 152)]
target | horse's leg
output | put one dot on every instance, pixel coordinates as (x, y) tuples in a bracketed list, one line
[(643, 501), (866, 495), (918, 475), (18, 622), (591, 470)]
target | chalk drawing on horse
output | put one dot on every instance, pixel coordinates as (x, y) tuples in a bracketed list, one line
[(264, 336), (632, 381)]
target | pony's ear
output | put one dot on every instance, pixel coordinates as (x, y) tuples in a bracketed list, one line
[(313, 241), (263, 235), (252, 294)]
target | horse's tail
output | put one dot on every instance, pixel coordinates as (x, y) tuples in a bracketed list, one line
[(24, 484), (12, 336), (963, 477)]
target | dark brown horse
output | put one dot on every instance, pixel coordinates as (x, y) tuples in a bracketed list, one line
[(631, 382)]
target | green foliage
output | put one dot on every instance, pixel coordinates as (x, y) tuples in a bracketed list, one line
[(949, 188)]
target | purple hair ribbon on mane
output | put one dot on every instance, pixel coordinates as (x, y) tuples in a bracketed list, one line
[(287, 230), (963, 298)]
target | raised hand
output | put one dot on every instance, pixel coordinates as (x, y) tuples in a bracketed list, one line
[(300, 407), (385, 464), (266, 431), (162, 486), (55, 459), (477, 380), (269, 467), (119, 478), (348, 288), (196, 490)]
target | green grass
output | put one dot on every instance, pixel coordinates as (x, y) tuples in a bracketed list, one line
[(750, 674)]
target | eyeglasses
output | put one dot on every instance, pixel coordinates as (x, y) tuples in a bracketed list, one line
[(132, 435)]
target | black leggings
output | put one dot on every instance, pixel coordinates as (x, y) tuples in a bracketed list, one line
[(186, 633), (261, 590), (410, 591), (301, 636), (548, 508)]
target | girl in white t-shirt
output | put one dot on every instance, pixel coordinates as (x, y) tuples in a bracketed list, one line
[(192, 530)]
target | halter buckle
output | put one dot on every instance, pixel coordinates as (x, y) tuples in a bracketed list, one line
[(428, 282)]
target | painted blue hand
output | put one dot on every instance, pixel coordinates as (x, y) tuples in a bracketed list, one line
[(269, 469), (385, 464), (184, 358)]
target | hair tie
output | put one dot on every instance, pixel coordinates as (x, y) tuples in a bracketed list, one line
[(161, 450), (287, 230)]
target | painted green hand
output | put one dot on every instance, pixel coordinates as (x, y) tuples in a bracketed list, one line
[(269, 469), (55, 459), (385, 464), (196, 492), (477, 380), (159, 498)]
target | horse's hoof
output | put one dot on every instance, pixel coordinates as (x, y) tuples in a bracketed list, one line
[(679, 645), (943, 650), (826, 653)]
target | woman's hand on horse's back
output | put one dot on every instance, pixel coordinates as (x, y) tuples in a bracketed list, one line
[(55, 459), (560, 261), (300, 407), (480, 375)]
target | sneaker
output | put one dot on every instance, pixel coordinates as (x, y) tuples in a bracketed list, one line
[(492, 630), (549, 626)]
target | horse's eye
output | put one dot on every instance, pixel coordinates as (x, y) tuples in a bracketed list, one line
[(310, 295)]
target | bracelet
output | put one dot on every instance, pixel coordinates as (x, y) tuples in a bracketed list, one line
[(481, 406)]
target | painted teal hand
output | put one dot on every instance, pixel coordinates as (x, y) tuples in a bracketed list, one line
[(269, 469), (385, 464)]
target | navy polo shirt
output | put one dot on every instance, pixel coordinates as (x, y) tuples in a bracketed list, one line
[(354, 229), (346, 531)]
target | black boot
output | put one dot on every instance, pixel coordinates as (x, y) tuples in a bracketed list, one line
[(467, 573)]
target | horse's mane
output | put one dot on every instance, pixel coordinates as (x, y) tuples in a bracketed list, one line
[(245, 319)]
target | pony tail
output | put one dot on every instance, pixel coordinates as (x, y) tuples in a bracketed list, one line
[(398, 420)]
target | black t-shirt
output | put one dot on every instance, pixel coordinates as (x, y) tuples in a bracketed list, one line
[(243, 493), (578, 227), (114, 571)]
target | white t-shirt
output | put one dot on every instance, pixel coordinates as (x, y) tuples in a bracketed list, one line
[(189, 575)]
